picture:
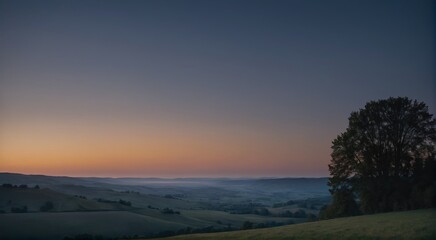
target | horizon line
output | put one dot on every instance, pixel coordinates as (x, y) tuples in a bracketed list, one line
[(168, 178)]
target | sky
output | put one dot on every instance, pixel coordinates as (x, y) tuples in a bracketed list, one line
[(200, 88)]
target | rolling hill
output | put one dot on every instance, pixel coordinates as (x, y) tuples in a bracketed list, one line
[(33, 199), (57, 225), (121, 207), (418, 224)]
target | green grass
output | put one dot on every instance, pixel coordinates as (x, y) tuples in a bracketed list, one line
[(419, 224)]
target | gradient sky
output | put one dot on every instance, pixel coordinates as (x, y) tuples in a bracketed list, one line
[(200, 88)]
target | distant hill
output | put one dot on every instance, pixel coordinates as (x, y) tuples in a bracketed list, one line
[(418, 224), (306, 187), (119, 207), (262, 190), (33, 199), (17, 178)]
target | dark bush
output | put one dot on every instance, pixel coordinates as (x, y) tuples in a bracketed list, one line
[(287, 213), (126, 203), (262, 212), (169, 211), (343, 205), (47, 206), (247, 225), (311, 217), (300, 214), (19, 209)]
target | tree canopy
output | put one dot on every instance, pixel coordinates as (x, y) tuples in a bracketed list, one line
[(385, 158)]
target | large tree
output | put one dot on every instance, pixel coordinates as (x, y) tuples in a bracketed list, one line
[(385, 158)]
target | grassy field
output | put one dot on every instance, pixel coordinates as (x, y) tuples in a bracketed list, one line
[(419, 224)]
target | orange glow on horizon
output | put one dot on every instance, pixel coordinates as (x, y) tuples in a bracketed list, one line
[(150, 149)]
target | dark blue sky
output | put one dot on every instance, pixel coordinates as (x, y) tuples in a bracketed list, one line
[(289, 71)]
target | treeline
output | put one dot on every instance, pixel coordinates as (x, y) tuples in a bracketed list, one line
[(310, 203), (80, 196), (300, 213), (284, 204), (131, 192), (22, 209), (262, 210), (174, 196), (120, 201), (240, 208), (169, 211), (23, 186), (164, 210), (45, 207), (250, 225)]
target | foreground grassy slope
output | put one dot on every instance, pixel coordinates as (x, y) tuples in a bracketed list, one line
[(419, 224)]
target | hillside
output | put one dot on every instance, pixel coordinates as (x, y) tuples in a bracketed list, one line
[(57, 225), (207, 190), (33, 199), (419, 224), (150, 207)]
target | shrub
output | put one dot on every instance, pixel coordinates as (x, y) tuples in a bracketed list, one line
[(47, 206), (169, 211), (300, 214), (123, 202), (262, 212), (287, 213), (247, 225), (19, 209)]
